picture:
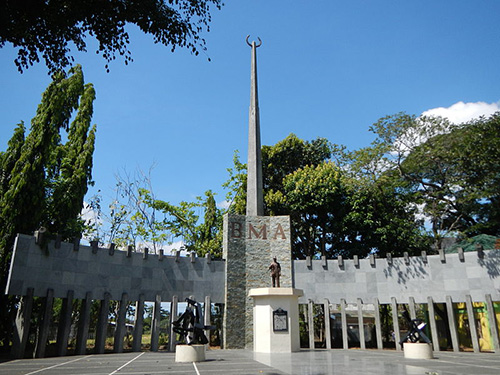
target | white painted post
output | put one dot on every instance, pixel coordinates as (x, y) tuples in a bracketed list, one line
[(328, 332), (310, 321), (378, 324), (361, 327), (343, 314)]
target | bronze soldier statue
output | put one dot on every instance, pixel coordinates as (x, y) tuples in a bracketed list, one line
[(275, 272)]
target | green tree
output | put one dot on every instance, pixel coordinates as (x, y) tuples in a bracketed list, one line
[(279, 160), (47, 28), (457, 175), (315, 197), (380, 218), (351, 206), (44, 180), (204, 236), (138, 218), (443, 172)]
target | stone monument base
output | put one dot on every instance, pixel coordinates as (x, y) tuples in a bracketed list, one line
[(417, 350), (276, 320), (189, 353)]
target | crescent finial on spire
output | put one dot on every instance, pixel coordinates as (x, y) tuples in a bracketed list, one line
[(256, 45)]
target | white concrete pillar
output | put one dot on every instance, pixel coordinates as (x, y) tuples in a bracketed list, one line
[(361, 326), (343, 314)]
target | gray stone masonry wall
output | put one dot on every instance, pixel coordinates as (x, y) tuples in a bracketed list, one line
[(82, 271), (250, 243), (435, 276), (249, 246)]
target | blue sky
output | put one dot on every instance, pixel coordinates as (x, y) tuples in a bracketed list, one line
[(326, 69)]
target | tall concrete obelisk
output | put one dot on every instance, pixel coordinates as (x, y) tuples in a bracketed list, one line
[(251, 241), (255, 199)]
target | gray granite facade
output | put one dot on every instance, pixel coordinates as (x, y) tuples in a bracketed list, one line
[(250, 243), (436, 276), (104, 271)]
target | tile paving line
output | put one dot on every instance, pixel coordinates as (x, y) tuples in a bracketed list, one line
[(460, 364), (196, 368), (126, 364), (54, 366), (437, 359), (9, 362)]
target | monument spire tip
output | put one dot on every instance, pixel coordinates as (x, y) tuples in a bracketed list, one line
[(256, 45)]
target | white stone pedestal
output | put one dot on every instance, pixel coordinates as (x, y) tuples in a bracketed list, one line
[(417, 350), (189, 353), (276, 319)]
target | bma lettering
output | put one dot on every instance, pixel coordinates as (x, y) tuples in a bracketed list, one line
[(256, 232), (280, 231), (263, 232), (236, 231)]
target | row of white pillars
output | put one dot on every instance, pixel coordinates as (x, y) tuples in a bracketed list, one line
[(452, 323), (24, 312)]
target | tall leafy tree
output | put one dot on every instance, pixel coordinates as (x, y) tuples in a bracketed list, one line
[(457, 175), (315, 197), (47, 28), (380, 218), (43, 180), (449, 172)]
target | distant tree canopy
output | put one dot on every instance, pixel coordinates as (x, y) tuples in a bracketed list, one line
[(332, 211), (450, 172), (48, 29), (421, 179)]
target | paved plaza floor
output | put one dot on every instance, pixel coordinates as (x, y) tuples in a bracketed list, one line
[(242, 362)]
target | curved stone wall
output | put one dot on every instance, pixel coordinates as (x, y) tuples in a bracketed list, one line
[(436, 276)]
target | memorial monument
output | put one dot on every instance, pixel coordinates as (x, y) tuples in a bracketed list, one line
[(252, 240)]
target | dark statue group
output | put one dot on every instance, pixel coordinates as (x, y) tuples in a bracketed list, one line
[(190, 325)]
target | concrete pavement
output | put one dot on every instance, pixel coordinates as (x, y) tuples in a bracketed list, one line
[(242, 362)]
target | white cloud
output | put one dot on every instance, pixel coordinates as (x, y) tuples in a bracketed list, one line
[(224, 204), (461, 112), (87, 213)]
